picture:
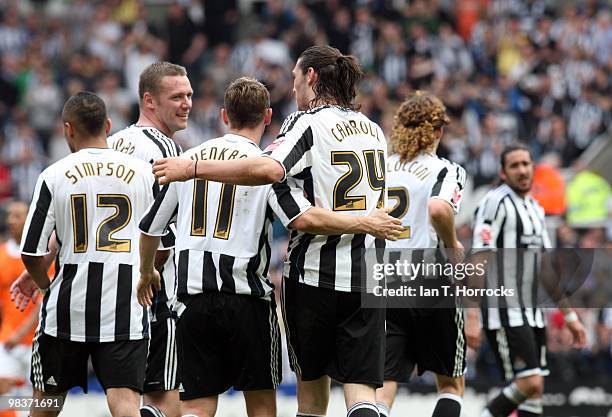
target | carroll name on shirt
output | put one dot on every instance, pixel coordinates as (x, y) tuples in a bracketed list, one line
[(353, 127)]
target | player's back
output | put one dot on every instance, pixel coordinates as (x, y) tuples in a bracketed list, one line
[(338, 159), (93, 199), (223, 229), (410, 186)]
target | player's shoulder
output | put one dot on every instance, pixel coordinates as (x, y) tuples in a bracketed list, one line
[(291, 121), (454, 168), (536, 204), (496, 195), (144, 142), (130, 133)]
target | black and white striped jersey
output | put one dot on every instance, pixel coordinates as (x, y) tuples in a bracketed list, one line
[(410, 185), (223, 230), (337, 156), (93, 200), (149, 144), (505, 220)]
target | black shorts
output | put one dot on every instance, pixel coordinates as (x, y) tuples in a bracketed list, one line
[(59, 364), (520, 351), (431, 339), (228, 340), (162, 365), (329, 333)]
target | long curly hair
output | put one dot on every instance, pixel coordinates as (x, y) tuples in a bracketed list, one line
[(415, 125)]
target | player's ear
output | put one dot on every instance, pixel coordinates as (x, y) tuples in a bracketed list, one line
[(224, 116), (268, 116), (107, 125), (311, 76), (147, 100), (68, 130)]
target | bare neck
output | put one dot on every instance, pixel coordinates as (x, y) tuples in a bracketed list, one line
[(91, 142), (253, 133), (151, 120)]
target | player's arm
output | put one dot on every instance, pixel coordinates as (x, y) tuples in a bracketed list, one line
[(246, 171), (153, 226), (39, 226), (444, 202), (37, 269), (551, 282), (487, 227), (290, 205), (442, 218), (326, 222), (149, 276), (287, 156)]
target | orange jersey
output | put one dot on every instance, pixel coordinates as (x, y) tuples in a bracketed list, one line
[(11, 318)]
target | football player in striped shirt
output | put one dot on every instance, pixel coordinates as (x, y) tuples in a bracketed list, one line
[(425, 191), (337, 156), (165, 101), (91, 199), (223, 250), (508, 217)]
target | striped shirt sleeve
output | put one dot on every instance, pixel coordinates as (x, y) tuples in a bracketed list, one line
[(449, 185), (488, 223), (292, 147), (40, 221), (287, 201), (161, 212)]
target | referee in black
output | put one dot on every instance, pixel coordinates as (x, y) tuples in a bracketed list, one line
[(508, 217)]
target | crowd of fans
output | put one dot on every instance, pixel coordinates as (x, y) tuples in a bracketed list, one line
[(537, 71)]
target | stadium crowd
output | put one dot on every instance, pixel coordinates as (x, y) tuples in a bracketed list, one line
[(533, 70)]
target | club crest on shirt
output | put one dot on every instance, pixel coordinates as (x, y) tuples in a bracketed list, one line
[(456, 196), (275, 144), (485, 234)]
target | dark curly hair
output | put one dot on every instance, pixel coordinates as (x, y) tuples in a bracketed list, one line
[(415, 125)]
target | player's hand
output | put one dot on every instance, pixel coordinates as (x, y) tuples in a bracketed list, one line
[(168, 170), (383, 226), (578, 333), (23, 290), (472, 329), (144, 291), (456, 254)]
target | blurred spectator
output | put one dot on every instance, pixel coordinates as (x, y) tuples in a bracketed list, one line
[(17, 327), (186, 42), (13, 35), (23, 154), (43, 105), (549, 186), (588, 199), (117, 100)]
